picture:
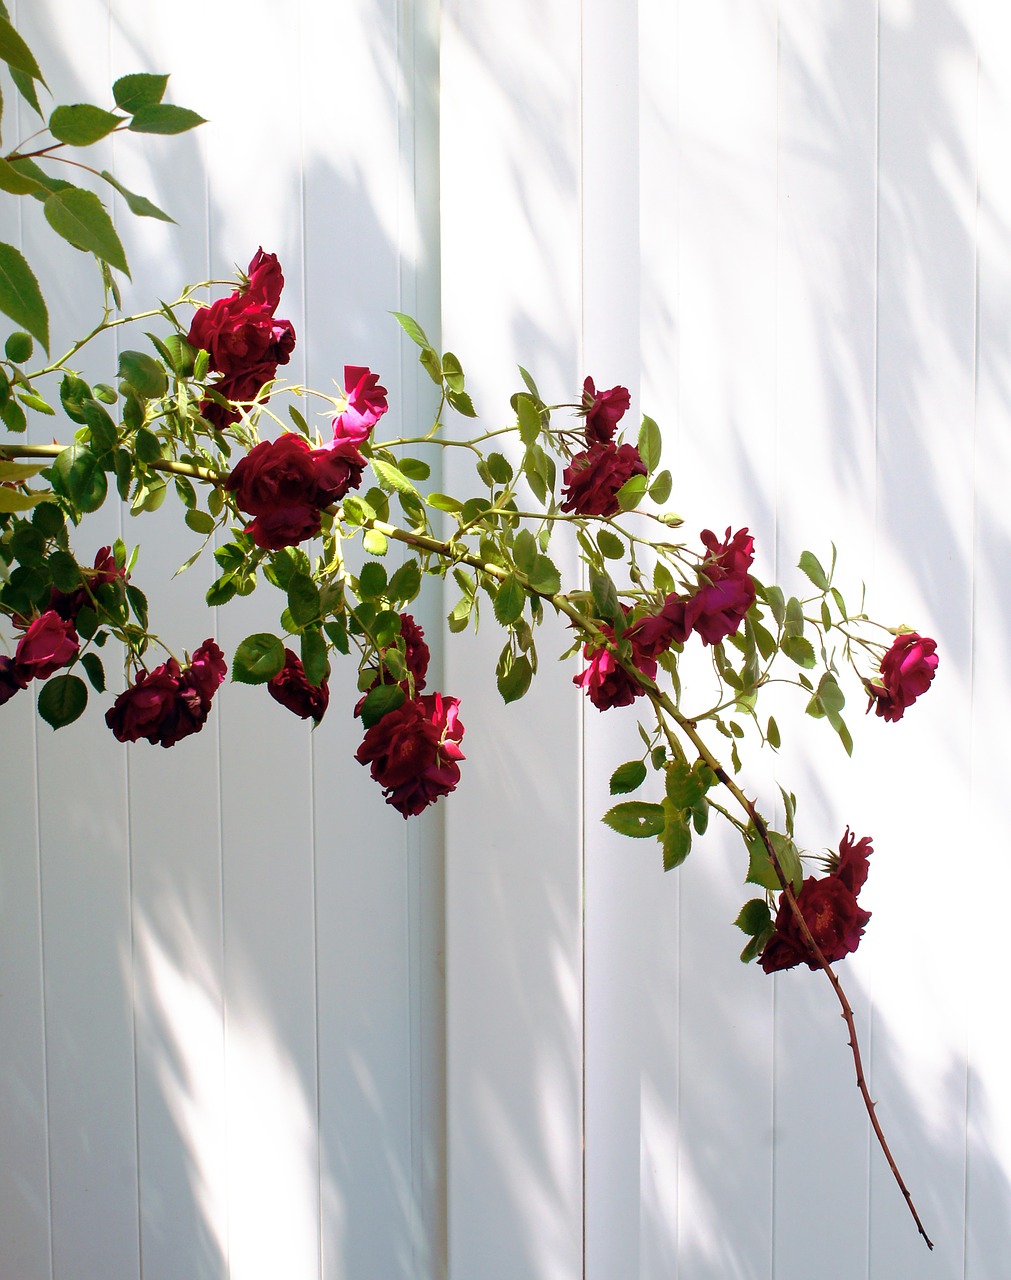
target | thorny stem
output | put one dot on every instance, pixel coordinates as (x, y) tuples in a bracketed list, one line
[(661, 701), (665, 708)]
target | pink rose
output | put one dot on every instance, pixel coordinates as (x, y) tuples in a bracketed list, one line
[(292, 690), (49, 643), (592, 479), (366, 404), (906, 672), (413, 752), (603, 410)]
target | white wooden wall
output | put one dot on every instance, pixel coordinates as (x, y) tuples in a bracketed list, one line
[(252, 1025)]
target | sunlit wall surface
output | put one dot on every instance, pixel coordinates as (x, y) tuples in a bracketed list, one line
[(252, 1024)]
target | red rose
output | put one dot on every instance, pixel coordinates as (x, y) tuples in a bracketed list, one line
[(68, 605), (726, 592), (169, 703), (851, 866), (605, 680), (48, 644), (276, 482), (366, 404), (592, 479), (339, 467), (292, 690), (11, 680), (413, 752), (265, 279), (830, 910), (906, 672), (603, 410)]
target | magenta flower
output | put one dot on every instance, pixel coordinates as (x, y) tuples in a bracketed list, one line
[(413, 752), (906, 672)]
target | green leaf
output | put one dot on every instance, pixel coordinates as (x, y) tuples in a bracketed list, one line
[(12, 500), (258, 659), (443, 502), (92, 664), (432, 364), (799, 650), (145, 374), (82, 220), (676, 838), (610, 546), (314, 657), (772, 734), (391, 477), (199, 521), (62, 700), (65, 571), (18, 471), (13, 416), (500, 467), (636, 818), (140, 90), (529, 417), (140, 206), (411, 327), (452, 372), (19, 347), (17, 183), (631, 493), (650, 443), (661, 487), (605, 595), (16, 53), (754, 917), (544, 576), (812, 567), (77, 475), (26, 87), (35, 402), (515, 680), (82, 124), (760, 868), (684, 786), (406, 582), (303, 598), (164, 118), (372, 580), (509, 600), (415, 469), (628, 777), (20, 295), (462, 403), (374, 542), (525, 551), (380, 700)]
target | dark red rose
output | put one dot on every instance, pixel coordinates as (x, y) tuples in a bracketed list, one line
[(603, 410), (206, 671), (49, 643), (69, 604), (832, 914), (906, 672), (592, 479), (169, 703), (292, 690), (730, 558), (605, 680), (413, 752), (339, 467), (265, 279), (277, 483), (366, 405), (149, 707), (851, 867), (11, 680), (726, 591)]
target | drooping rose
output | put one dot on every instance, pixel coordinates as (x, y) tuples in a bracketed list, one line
[(906, 672), (726, 591), (605, 681), (592, 479), (339, 467), (603, 410), (292, 690), (413, 752), (11, 680), (830, 910), (69, 603), (49, 643), (366, 404), (170, 703), (851, 867), (277, 483)]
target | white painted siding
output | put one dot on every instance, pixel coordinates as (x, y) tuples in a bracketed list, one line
[(252, 1024)]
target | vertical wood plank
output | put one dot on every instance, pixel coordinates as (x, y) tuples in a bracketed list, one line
[(510, 170)]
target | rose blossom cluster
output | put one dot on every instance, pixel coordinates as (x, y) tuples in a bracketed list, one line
[(830, 910), (285, 483), (593, 477), (50, 641), (171, 702), (714, 611), (906, 672), (243, 338)]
